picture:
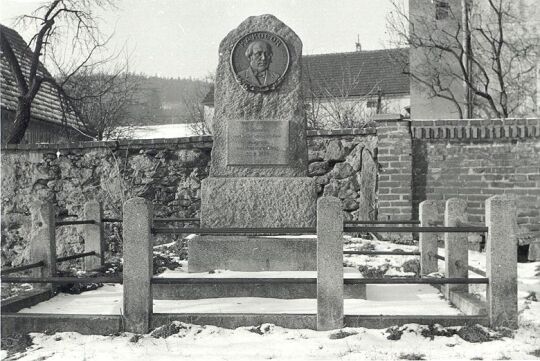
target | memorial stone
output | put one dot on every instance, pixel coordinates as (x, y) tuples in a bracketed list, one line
[(258, 170)]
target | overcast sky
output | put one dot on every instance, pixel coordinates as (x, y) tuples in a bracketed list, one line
[(180, 38)]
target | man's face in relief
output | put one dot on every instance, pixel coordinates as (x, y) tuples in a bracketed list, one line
[(261, 57)]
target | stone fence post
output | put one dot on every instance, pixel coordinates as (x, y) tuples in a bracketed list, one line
[(428, 213), (501, 262), (456, 245), (329, 264), (137, 275), (93, 235), (43, 242)]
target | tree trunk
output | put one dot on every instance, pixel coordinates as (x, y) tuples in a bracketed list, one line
[(22, 120)]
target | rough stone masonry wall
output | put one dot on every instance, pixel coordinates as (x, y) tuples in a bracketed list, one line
[(168, 172), (475, 159)]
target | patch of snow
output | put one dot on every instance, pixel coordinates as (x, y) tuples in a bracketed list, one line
[(154, 131)]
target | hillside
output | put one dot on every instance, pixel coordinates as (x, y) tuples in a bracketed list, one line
[(166, 100)]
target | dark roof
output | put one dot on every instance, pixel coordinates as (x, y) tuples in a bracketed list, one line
[(357, 73), (352, 74), (47, 105)]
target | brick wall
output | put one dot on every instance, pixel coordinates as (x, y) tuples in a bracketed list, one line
[(395, 164), (475, 159)]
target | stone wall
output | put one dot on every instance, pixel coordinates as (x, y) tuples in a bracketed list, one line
[(475, 159), (380, 173), (344, 165), (168, 172)]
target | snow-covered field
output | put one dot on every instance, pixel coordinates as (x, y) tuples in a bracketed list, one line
[(269, 342)]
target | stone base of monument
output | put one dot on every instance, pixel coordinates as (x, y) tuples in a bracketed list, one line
[(258, 202), (280, 290), (252, 253)]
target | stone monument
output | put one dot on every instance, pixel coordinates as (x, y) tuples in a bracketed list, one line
[(258, 171)]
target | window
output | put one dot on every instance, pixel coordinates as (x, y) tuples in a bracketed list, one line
[(442, 9), (371, 104)]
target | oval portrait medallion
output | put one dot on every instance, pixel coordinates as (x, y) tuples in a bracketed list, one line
[(260, 61)]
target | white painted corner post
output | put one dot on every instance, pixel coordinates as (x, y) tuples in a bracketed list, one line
[(43, 242), (137, 273), (428, 214), (93, 235), (329, 264), (456, 245), (501, 261)]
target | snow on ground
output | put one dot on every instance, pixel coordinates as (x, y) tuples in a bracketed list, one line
[(155, 131), (414, 299), (270, 342)]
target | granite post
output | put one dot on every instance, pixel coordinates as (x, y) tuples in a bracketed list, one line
[(329, 264), (501, 262), (93, 234), (43, 241), (428, 213), (455, 245), (137, 272)]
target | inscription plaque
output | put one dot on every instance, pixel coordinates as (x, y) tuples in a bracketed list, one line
[(258, 142)]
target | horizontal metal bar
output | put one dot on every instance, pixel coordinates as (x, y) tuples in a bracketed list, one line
[(61, 279), (439, 257), (75, 256), (177, 219), (111, 220), (214, 280), (347, 281), (478, 271), (307, 230), (415, 229), (71, 223), (351, 281), (22, 268), (382, 253), (382, 222)]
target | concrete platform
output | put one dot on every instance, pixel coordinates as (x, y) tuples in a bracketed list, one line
[(285, 290), (252, 253)]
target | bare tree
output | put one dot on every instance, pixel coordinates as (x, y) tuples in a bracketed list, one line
[(54, 22), (334, 103), (103, 99), (192, 101), (484, 47)]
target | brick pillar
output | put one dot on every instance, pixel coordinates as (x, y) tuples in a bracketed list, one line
[(137, 273), (501, 262), (329, 264), (395, 167)]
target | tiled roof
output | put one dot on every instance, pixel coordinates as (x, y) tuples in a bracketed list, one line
[(47, 105), (352, 74), (357, 73)]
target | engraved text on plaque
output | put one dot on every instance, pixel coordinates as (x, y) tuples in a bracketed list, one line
[(258, 142)]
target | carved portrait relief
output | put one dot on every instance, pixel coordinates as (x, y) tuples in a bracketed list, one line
[(260, 61)]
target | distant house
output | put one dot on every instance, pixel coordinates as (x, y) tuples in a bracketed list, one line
[(353, 84), (50, 122)]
